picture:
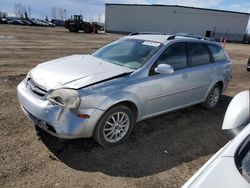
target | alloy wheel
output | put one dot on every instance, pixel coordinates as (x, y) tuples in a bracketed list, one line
[(116, 127)]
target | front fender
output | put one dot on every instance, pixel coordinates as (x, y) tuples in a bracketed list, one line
[(119, 97)]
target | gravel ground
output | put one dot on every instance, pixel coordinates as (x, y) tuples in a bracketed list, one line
[(161, 152)]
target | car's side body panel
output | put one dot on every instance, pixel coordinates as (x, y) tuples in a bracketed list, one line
[(102, 84)]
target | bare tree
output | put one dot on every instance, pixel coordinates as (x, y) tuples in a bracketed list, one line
[(54, 13), (65, 14), (29, 11), (19, 10), (58, 13)]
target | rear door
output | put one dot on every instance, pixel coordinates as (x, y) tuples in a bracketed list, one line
[(202, 71)]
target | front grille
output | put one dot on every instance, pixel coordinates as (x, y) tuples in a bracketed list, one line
[(35, 88)]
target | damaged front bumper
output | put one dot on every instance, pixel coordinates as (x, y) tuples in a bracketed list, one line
[(55, 119)]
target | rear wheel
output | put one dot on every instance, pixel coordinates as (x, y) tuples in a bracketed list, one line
[(114, 126), (213, 97)]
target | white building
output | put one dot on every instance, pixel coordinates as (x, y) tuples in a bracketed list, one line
[(170, 19)]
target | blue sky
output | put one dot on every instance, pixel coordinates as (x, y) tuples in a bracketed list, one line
[(93, 9)]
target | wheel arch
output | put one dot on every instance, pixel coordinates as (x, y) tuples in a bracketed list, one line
[(131, 105), (97, 130), (121, 97), (219, 82)]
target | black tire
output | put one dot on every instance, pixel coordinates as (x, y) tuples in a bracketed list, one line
[(87, 29), (99, 134), (72, 28), (209, 104)]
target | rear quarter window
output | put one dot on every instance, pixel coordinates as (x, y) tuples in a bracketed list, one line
[(217, 53)]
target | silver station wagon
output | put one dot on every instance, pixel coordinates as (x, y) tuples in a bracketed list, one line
[(134, 78)]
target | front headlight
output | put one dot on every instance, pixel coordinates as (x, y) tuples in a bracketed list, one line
[(68, 98)]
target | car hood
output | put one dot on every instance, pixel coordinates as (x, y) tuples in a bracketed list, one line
[(75, 71)]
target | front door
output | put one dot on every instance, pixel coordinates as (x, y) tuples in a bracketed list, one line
[(164, 92)]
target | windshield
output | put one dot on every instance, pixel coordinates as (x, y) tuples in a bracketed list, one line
[(131, 53)]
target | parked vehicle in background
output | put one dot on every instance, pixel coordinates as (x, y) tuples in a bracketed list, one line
[(230, 166), (77, 24), (16, 22), (57, 22), (3, 21), (28, 22), (126, 81), (48, 23)]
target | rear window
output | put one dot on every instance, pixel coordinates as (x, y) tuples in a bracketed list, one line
[(218, 53), (199, 54)]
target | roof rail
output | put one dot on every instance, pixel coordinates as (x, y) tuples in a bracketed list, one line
[(188, 35), (147, 33)]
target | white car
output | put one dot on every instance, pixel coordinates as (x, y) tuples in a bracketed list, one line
[(230, 166)]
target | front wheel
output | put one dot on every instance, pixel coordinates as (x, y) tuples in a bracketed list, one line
[(72, 28), (114, 126), (213, 97)]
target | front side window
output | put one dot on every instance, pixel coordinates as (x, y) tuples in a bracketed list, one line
[(175, 55), (218, 53), (199, 54), (131, 53)]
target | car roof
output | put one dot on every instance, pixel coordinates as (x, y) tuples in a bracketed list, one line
[(164, 38), (150, 37)]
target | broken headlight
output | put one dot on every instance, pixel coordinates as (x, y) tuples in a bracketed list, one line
[(68, 98)]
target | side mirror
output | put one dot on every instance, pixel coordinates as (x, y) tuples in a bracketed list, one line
[(237, 114), (164, 69)]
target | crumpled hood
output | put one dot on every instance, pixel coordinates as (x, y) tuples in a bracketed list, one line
[(75, 71)]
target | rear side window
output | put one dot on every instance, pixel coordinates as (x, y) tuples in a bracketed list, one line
[(199, 54), (218, 53), (175, 55)]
